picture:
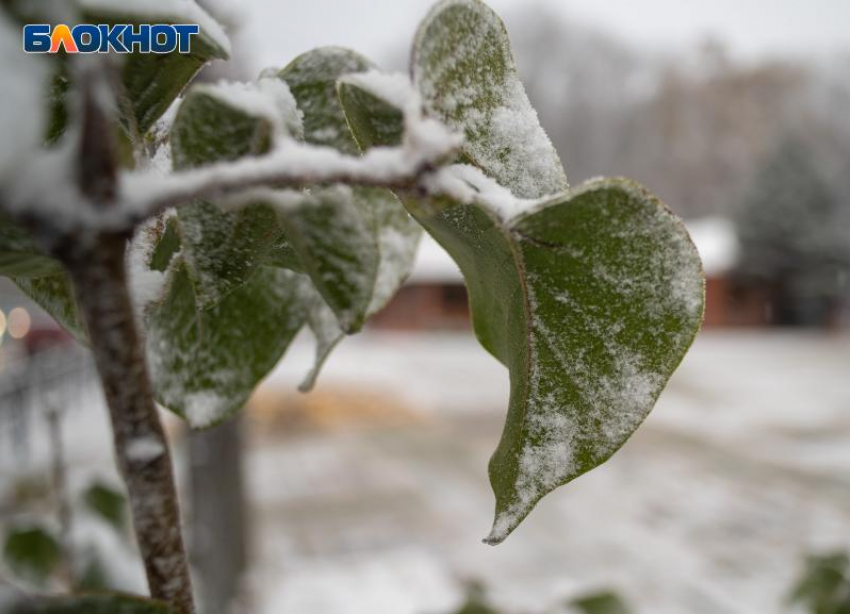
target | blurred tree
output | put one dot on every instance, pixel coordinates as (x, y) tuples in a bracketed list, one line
[(795, 238)]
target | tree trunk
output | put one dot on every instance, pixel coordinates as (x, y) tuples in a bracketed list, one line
[(217, 539), (97, 268)]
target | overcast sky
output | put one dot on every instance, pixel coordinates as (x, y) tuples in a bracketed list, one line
[(753, 29)]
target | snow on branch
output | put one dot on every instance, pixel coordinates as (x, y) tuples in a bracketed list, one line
[(293, 165)]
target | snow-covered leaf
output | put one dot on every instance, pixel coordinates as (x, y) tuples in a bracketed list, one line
[(219, 123), (333, 230), (32, 554), (591, 299), (206, 362), (463, 67), (89, 604), (373, 120), (153, 81), (373, 239)]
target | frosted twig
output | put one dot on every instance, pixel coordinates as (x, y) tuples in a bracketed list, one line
[(291, 166)]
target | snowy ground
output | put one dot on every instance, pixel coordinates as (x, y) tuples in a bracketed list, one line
[(374, 499)]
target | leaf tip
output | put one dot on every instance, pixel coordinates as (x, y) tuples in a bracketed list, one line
[(503, 525)]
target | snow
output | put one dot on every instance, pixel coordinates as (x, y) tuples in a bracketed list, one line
[(269, 98), (203, 408), (144, 449), (717, 243), (393, 88), (423, 134), (467, 184), (727, 474), (292, 164), (178, 11), (22, 108), (488, 103), (740, 471), (405, 582), (146, 285)]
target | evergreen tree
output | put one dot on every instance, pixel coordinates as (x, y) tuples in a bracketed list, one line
[(795, 237)]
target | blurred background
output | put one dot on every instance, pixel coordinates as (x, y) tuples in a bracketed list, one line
[(370, 495)]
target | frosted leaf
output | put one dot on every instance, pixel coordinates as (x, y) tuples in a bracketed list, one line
[(367, 227), (326, 331), (269, 98), (398, 241), (591, 299), (227, 121), (332, 232), (153, 81), (55, 294), (463, 67), (205, 363), (312, 79)]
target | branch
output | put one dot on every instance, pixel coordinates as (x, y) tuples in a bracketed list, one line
[(95, 259), (294, 166)]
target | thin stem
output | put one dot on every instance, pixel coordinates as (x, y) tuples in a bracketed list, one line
[(97, 269), (292, 166), (60, 490)]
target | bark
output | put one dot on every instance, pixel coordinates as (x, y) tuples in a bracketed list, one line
[(97, 269)]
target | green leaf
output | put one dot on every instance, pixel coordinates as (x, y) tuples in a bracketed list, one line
[(32, 554), (463, 67), (89, 604), (55, 294), (222, 248), (824, 586), (600, 603), (39, 276), (312, 77), (20, 256), (153, 81), (591, 299), (373, 240), (206, 362), (373, 122), (107, 503), (332, 230)]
